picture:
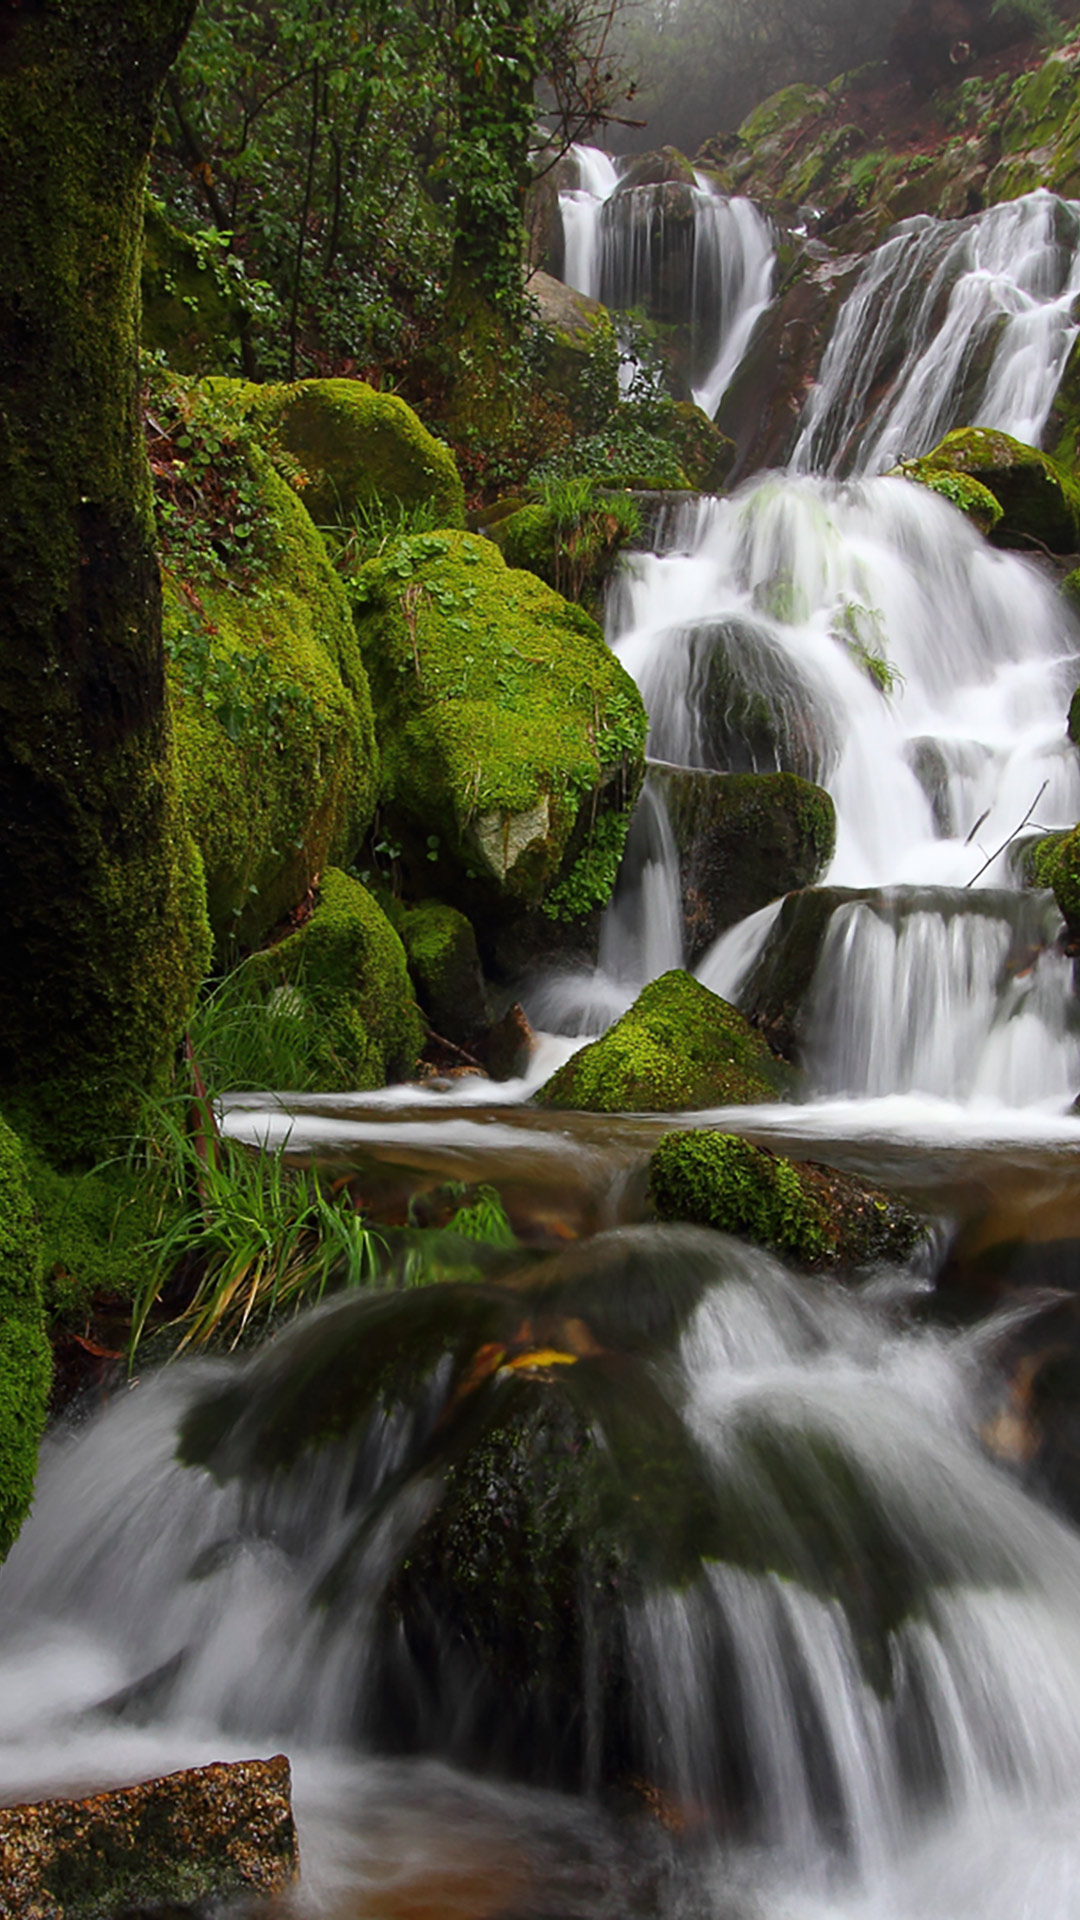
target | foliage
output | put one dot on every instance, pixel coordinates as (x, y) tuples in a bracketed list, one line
[(25, 1367), (862, 631), (259, 1237)]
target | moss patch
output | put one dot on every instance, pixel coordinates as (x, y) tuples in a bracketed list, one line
[(679, 1046), (510, 734), (808, 1213), (972, 498), (440, 946), (1039, 501), (358, 447), (25, 1365), (348, 965)]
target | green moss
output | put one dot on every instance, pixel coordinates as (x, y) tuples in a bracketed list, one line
[(807, 1213), (192, 311), (440, 946), (1056, 863), (95, 1228), (348, 965), (358, 447), (970, 496), (25, 1365), (101, 952), (679, 1046), (782, 112), (274, 727), (1040, 502), (507, 726)]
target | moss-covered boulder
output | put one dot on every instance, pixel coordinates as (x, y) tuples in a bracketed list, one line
[(679, 1046), (805, 1212), (573, 541), (1055, 862), (582, 363), (1039, 501), (25, 1365), (358, 449), (193, 307), (512, 740), (705, 454), (742, 840), (440, 946), (343, 976), (273, 723), (968, 495)]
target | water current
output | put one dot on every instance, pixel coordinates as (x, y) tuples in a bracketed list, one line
[(843, 1650)]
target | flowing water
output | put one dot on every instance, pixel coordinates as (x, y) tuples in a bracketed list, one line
[(821, 1654)]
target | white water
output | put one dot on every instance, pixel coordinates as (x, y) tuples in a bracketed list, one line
[(968, 322), (619, 248)]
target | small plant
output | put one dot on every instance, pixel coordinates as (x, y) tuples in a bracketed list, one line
[(374, 527), (862, 631)]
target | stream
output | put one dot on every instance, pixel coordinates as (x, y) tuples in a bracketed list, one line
[(852, 1689)]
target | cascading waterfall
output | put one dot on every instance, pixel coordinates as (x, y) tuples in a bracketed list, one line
[(678, 252), (962, 323)]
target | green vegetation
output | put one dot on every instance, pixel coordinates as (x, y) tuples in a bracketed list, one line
[(25, 1368), (982, 507), (571, 538), (508, 730), (1039, 501), (804, 1212), (679, 1046)]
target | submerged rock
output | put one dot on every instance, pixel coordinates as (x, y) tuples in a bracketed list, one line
[(679, 1046), (742, 840), (191, 1837), (805, 1212)]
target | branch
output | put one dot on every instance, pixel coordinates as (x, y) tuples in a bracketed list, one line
[(1008, 843)]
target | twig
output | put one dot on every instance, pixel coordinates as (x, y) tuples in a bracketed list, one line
[(1007, 843)]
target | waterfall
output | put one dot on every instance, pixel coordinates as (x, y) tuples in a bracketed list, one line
[(951, 323), (679, 252)]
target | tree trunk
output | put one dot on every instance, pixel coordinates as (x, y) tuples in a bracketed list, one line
[(103, 934)]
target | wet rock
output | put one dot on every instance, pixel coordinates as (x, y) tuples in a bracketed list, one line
[(204, 1834), (440, 947), (679, 1046), (510, 1044), (742, 840), (762, 407), (755, 711), (1040, 501), (658, 169), (775, 996), (574, 325), (807, 1213)]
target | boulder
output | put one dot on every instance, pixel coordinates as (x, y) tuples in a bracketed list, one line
[(206, 1834), (274, 732), (357, 450), (575, 327), (775, 995), (807, 1213), (755, 710), (742, 840), (659, 169), (512, 739), (342, 979), (679, 1046), (25, 1365), (1039, 501), (440, 947), (968, 495)]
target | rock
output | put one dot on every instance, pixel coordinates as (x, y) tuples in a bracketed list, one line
[(679, 1046), (510, 1045), (756, 712), (343, 977), (970, 496), (775, 995), (512, 739), (440, 946), (660, 169), (1040, 502), (205, 1834), (575, 326), (358, 448), (705, 455), (274, 731), (762, 407), (573, 548), (25, 1366), (807, 1213), (742, 840)]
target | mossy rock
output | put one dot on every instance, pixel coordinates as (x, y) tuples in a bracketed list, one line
[(664, 167), (274, 731), (742, 841), (679, 1046), (347, 967), (25, 1363), (970, 496), (359, 449), (807, 1213), (512, 739), (577, 557), (575, 327), (782, 112), (192, 308), (440, 947), (95, 1229), (1040, 502), (1055, 862), (705, 455)]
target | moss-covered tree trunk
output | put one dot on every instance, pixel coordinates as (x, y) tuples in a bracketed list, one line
[(102, 928)]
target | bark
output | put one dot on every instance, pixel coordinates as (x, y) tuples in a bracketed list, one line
[(102, 941)]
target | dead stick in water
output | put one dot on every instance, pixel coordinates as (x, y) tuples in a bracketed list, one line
[(1008, 843)]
